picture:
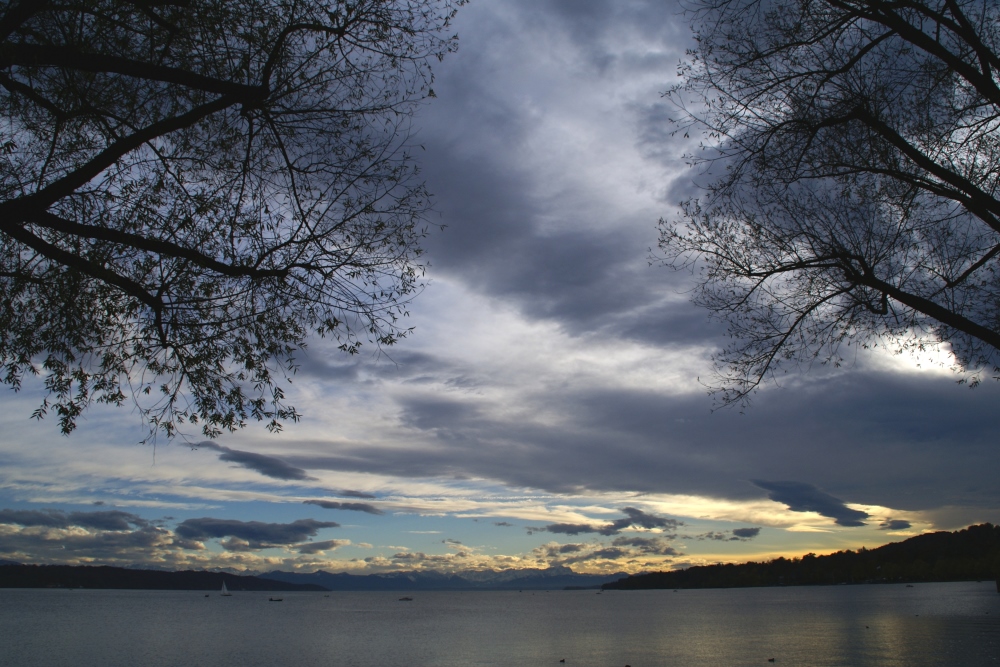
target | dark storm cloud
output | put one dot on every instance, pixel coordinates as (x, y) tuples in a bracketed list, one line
[(269, 466), (431, 411), (328, 368), (110, 520), (661, 139), (587, 280), (106, 520), (647, 545), (621, 548), (334, 505), (567, 528), (672, 323), (497, 238), (802, 497), (319, 547), (894, 524), (48, 518), (603, 553), (347, 493), (554, 553), (255, 534), (746, 533), (591, 26), (327, 363), (736, 535), (713, 535), (634, 518)]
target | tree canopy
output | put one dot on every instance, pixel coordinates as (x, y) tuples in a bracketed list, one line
[(189, 189), (855, 147)]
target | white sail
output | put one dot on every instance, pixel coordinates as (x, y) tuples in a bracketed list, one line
[(224, 591)]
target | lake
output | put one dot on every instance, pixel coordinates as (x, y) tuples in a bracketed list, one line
[(928, 624)]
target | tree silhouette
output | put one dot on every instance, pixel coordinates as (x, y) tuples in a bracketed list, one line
[(191, 188), (855, 146)]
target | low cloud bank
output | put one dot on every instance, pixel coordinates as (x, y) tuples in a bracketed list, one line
[(255, 534)]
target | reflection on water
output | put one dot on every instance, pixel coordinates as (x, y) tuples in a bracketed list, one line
[(929, 624)]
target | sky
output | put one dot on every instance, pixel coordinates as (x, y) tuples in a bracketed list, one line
[(550, 408)]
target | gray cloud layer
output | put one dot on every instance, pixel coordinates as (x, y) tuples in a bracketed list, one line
[(269, 466)]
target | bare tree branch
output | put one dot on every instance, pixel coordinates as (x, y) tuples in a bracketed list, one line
[(862, 197), (191, 189)]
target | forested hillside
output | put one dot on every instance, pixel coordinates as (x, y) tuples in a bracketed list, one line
[(969, 554)]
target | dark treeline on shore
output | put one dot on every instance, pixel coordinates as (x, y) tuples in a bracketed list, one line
[(69, 576), (966, 555)]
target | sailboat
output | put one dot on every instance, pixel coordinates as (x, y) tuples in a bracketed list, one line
[(224, 591)]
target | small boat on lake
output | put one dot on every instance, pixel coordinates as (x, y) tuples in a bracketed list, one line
[(274, 599), (406, 599), (225, 592)]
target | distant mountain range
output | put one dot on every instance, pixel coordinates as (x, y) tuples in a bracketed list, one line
[(552, 578), (965, 555), (16, 575)]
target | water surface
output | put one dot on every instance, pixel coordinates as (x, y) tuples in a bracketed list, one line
[(857, 626)]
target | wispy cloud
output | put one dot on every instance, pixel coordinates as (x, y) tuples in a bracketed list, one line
[(269, 466), (336, 505)]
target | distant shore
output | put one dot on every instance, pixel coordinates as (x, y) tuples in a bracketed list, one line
[(972, 554), (70, 576)]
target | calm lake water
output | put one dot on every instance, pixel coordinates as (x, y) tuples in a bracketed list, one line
[(929, 624)]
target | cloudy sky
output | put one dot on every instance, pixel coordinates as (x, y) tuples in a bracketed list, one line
[(550, 407)]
